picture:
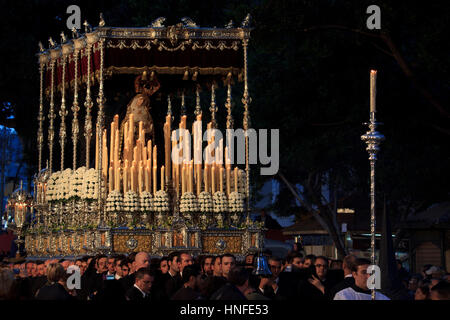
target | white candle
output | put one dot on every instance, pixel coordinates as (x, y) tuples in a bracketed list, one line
[(373, 90)]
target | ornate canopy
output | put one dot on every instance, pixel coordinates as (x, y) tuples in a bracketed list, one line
[(183, 49)]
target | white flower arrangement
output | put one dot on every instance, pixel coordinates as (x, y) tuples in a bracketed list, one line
[(64, 184), (131, 201), (90, 184), (189, 203), (52, 187), (220, 202), (205, 201), (161, 202), (114, 202), (146, 201), (236, 202), (76, 183)]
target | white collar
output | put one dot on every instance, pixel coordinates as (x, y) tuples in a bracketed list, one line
[(143, 293), (349, 276)]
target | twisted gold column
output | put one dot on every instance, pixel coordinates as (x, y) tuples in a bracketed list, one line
[(40, 135), (100, 119), (246, 123), (88, 104)]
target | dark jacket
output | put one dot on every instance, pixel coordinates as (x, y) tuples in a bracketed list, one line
[(228, 292), (186, 293), (37, 283), (133, 294), (128, 281), (288, 283), (171, 284), (212, 284), (53, 291)]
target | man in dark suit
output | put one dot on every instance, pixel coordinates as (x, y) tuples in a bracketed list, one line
[(140, 291), (40, 279), (172, 279), (347, 265), (188, 290), (236, 286), (141, 260), (288, 279), (269, 285)]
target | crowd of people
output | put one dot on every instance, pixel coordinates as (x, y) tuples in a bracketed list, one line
[(178, 276)]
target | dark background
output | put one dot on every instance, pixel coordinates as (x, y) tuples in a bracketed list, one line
[(309, 64)]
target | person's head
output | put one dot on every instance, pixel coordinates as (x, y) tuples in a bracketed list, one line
[(164, 265), (186, 260), (144, 279), (7, 281), (101, 264), (55, 272), (336, 265), (189, 277), (359, 272), (321, 264), (239, 276), (131, 261), (309, 260), (207, 265), (65, 264), (440, 291), (41, 268), (111, 265), (217, 266), (249, 259), (125, 268), (296, 260), (347, 263), (142, 260), (30, 266), (275, 266), (174, 262), (422, 293), (228, 262), (117, 267)]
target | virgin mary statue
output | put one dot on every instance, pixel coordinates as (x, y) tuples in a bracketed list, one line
[(139, 106)]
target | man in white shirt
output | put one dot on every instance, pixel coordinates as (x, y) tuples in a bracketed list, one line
[(359, 291)]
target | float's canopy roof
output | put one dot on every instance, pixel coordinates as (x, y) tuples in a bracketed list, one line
[(183, 48)]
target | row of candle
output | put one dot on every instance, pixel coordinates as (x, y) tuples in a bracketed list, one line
[(138, 171)]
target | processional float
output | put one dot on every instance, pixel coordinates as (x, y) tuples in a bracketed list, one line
[(123, 198)]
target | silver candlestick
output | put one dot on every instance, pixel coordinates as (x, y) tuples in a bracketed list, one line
[(373, 140)]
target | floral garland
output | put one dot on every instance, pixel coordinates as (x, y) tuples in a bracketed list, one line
[(205, 202), (114, 202), (146, 201), (236, 202), (220, 202), (131, 201), (189, 203), (161, 202)]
